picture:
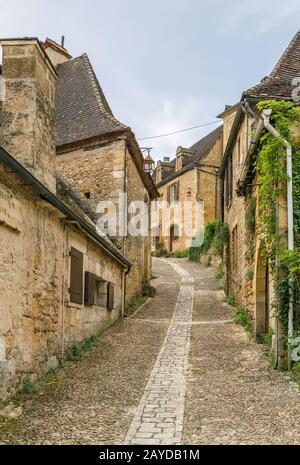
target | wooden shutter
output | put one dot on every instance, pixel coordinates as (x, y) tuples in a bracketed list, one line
[(89, 289), (110, 296), (177, 190), (168, 194), (76, 276)]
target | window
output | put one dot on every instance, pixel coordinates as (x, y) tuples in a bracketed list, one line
[(76, 276), (110, 296), (228, 181), (173, 192), (234, 248), (178, 162), (158, 174), (87, 194), (98, 292)]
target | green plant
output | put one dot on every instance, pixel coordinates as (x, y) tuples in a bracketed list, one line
[(250, 217), (249, 275), (160, 249), (181, 253), (296, 373), (89, 343), (270, 168), (148, 290), (135, 303), (241, 317), (75, 352), (230, 300), (269, 337), (219, 273), (216, 236), (208, 261), (28, 387), (250, 254)]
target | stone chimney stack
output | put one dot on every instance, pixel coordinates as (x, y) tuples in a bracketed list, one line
[(27, 122), (57, 53)]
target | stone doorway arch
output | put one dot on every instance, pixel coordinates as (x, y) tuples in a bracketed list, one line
[(174, 235), (262, 297)]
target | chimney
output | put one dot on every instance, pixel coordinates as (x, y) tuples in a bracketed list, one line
[(27, 123), (166, 159), (57, 53)]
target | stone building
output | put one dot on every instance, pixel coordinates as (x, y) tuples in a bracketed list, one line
[(99, 156), (192, 177), (60, 281), (248, 275)]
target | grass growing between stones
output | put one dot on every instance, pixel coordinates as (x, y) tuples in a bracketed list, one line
[(139, 299), (230, 300), (296, 373), (219, 273), (181, 254), (78, 350), (29, 387)]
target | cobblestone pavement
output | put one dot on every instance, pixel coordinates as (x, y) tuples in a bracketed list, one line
[(159, 416), (210, 377)]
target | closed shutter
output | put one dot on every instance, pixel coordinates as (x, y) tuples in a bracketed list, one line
[(168, 194), (76, 276), (89, 289), (177, 190), (110, 296)]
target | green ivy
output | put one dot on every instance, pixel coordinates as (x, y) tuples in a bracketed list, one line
[(216, 236), (270, 167)]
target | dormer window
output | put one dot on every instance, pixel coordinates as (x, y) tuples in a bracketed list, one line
[(178, 162), (183, 156), (158, 174)]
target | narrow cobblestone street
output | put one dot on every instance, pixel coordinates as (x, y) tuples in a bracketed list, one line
[(178, 371)]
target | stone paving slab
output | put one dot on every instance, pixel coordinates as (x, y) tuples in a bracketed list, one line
[(159, 416), (220, 388)]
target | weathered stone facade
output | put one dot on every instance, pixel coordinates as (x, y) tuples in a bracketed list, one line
[(39, 321), (104, 171), (101, 159), (248, 269), (197, 184), (28, 113)]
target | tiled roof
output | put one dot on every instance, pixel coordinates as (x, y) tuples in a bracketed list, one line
[(201, 148), (82, 110), (279, 83)]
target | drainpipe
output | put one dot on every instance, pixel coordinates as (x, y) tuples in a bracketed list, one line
[(63, 293), (266, 119)]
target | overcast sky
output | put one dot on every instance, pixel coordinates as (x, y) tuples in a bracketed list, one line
[(164, 65)]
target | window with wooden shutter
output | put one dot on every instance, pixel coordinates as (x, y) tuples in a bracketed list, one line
[(177, 191), (168, 194), (76, 276), (89, 289), (110, 296)]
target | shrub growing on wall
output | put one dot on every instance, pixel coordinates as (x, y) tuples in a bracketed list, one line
[(272, 176), (216, 237)]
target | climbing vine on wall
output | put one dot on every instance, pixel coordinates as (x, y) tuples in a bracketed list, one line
[(216, 236), (272, 178), (250, 222)]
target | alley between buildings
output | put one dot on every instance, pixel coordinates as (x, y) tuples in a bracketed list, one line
[(178, 371)]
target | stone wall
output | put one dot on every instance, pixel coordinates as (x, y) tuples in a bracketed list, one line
[(198, 184), (28, 112), (35, 326), (102, 171), (235, 218)]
